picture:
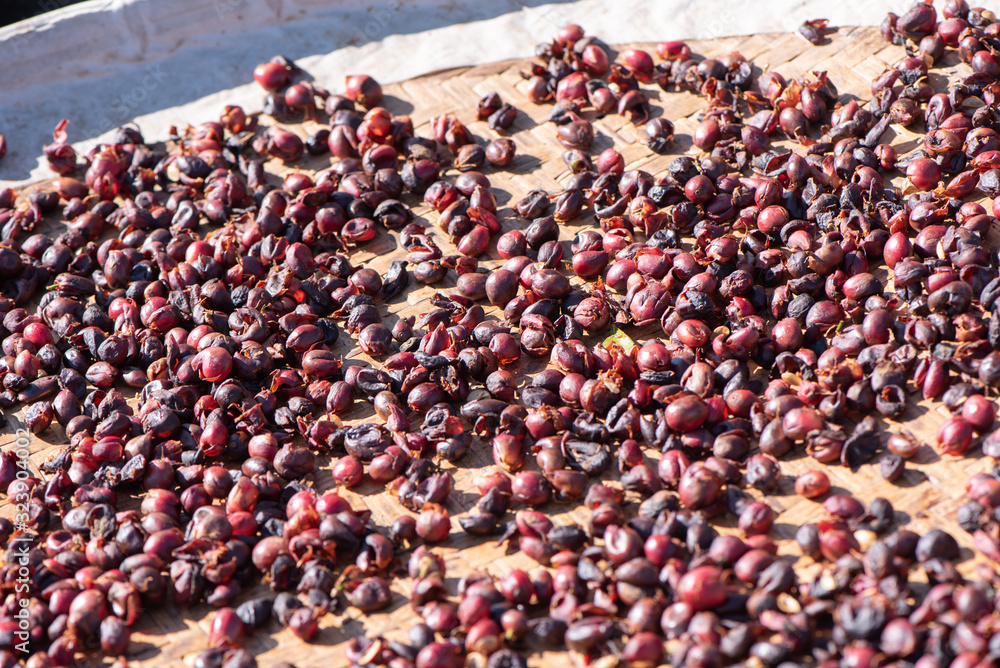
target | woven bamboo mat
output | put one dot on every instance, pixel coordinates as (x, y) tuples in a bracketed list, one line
[(927, 496)]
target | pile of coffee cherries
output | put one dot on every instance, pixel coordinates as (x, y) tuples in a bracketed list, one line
[(182, 314)]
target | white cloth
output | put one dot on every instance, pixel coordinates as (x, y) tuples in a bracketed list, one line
[(105, 62)]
